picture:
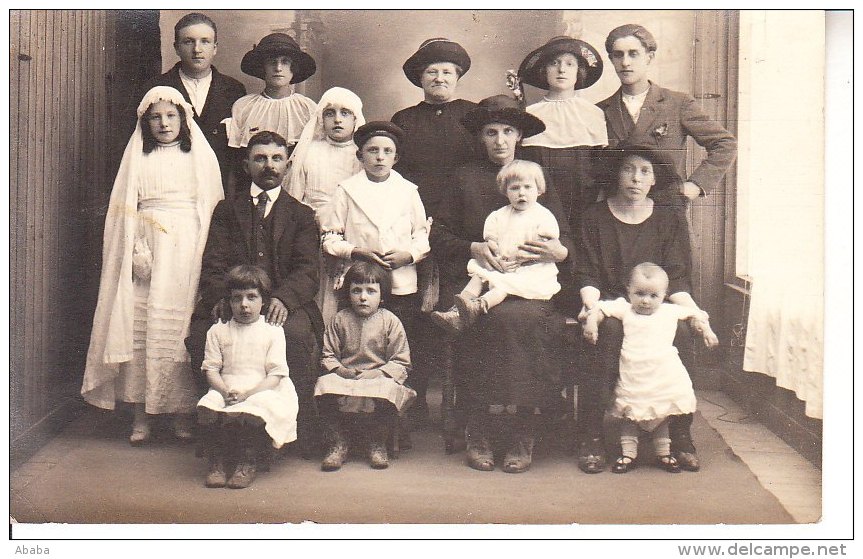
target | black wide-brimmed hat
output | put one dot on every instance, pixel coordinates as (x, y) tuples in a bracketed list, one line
[(278, 44), (435, 50), (532, 69), (378, 128), (504, 110)]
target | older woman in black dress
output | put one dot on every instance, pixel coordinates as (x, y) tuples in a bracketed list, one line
[(641, 220), (507, 365), (435, 142)]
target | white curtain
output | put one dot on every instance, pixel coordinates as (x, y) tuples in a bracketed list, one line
[(781, 197)]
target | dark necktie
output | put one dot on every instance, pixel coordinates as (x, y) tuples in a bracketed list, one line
[(261, 206), (258, 225)]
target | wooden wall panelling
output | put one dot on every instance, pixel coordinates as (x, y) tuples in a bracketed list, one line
[(59, 128)]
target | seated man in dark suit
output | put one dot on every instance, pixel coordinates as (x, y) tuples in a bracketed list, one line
[(264, 226), (210, 92)]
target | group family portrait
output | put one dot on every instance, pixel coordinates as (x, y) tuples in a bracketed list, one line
[(547, 267)]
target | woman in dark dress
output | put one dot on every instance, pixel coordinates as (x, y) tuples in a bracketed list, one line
[(507, 365), (641, 220), (435, 142)]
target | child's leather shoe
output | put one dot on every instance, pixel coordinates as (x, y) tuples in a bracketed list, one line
[(449, 320)]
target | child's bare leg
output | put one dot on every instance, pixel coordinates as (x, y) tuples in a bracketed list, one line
[(473, 287), (140, 425), (628, 447), (629, 439), (662, 440), (494, 297), (662, 448)]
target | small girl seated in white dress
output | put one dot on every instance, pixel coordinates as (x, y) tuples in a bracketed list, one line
[(506, 229), (653, 383), (251, 403), (365, 362)]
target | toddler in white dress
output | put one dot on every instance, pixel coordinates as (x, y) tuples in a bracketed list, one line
[(506, 230), (251, 402), (653, 383)]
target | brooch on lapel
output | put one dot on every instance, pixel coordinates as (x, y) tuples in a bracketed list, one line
[(660, 131)]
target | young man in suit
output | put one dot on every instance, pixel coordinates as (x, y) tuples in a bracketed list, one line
[(643, 113), (210, 92), (264, 226)]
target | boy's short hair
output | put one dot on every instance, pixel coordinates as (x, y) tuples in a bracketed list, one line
[(366, 272), (150, 142), (246, 276), (649, 271), (520, 169), (194, 18), (631, 30)]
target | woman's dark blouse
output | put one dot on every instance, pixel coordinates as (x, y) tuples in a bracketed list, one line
[(435, 143), (472, 195), (608, 249)]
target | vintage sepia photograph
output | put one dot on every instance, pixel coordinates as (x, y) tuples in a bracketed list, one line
[(278, 270)]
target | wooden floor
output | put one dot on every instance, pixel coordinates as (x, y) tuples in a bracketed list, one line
[(794, 481)]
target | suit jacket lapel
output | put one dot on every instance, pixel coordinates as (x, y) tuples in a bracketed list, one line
[(243, 212), (215, 86), (279, 216), (649, 112), (614, 114)]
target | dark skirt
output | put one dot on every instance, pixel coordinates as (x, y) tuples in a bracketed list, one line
[(512, 355)]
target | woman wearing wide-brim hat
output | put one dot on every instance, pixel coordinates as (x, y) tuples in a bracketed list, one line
[(435, 142), (507, 364), (280, 62), (574, 127)]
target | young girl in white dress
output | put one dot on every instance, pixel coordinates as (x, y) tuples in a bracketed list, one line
[(365, 363), (252, 401), (279, 61), (505, 229), (157, 223), (326, 155), (653, 383)]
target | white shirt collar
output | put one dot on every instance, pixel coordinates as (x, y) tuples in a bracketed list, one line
[(197, 88), (272, 193)]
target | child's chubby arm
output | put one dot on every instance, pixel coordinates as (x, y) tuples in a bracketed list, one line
[(590, 328), (701, 324), (214, 378), (593, 316), (697, 319), (212, 364)]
